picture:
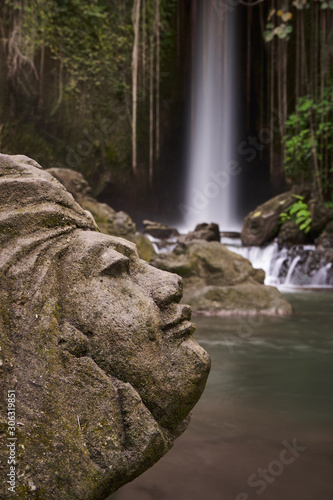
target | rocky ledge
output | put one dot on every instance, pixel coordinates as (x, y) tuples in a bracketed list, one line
[(220, 282), (263, 224)]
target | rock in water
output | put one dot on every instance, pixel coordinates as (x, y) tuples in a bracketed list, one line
[(94, 343), (290, 234), (220, 282), (159, 230), (204, 231), (262, 225)]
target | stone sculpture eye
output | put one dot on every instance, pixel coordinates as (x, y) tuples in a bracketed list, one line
[(117, 268)]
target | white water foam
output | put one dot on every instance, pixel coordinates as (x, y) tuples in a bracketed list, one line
[(288, 268)]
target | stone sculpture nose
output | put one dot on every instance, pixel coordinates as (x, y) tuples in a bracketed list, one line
[(168, 290)]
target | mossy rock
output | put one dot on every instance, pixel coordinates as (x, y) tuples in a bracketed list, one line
[(144, 246)]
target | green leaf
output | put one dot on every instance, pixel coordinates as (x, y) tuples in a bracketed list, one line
[(295, 208), (298, 197), (306, 224), (304, 213)]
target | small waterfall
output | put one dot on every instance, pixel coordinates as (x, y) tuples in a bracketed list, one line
[(297, 266), (292, 269), (320, 277), (212, 171)]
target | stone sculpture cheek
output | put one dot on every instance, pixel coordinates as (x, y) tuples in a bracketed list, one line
[(135, 340), (107, 314)]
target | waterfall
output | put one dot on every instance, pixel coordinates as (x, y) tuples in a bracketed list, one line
[(212, 170), (292, 269), (297, 266)]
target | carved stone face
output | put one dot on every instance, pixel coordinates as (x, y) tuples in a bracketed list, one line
[(93, 341), (136, 329)]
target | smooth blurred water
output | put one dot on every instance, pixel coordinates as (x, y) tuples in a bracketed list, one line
[(270, 381), (212, 183)]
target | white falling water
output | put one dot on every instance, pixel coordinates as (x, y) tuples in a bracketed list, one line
[(292, 269), (300, 266), (212, 170), (288, 267)]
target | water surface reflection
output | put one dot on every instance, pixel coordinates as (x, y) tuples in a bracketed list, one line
[(270, 384)]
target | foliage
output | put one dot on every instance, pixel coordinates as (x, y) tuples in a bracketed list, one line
[(309, 129), (278, 19), (65, 66), (299, 213)]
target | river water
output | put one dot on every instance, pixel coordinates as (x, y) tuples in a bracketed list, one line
[(263, 428)]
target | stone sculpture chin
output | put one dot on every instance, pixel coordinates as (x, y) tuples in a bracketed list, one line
[(93, 341)]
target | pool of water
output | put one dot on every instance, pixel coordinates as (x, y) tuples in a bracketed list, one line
[(263, 428)]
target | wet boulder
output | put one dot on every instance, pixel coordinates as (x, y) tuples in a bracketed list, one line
[(320, 215), (204, 231), (262, 225), (290, 234), (218, 281), (325, 240), (108, 220), (159, 230)]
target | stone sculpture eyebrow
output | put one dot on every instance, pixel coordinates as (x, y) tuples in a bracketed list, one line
[(113, 263)]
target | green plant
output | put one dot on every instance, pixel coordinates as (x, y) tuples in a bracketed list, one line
[(299, 213), (308, 140)]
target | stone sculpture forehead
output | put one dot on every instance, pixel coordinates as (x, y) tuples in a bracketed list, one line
[(98, 243), (92, 253), (33, 202)]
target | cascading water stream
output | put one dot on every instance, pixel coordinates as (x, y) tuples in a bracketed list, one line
[(212, 170), (288, 267), (292, 269)]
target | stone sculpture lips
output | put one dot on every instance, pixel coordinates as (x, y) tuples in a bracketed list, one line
[(177, 324), (175, 314), (181, 331)]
